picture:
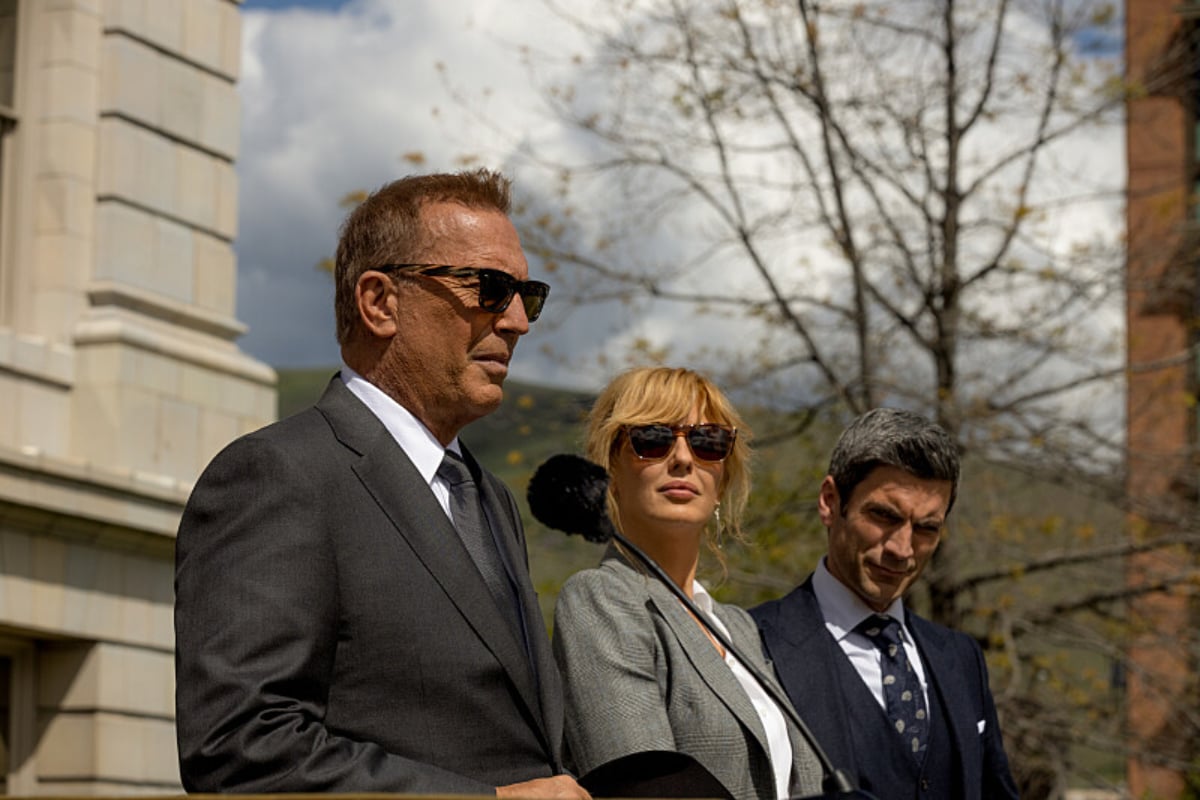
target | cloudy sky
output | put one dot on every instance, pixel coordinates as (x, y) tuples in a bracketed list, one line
[(335, 93)]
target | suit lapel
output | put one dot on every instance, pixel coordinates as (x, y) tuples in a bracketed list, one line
[(813, 669), (402, 494), (953, 692), (708, 663)]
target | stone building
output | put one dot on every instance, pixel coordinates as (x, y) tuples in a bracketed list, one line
[(119, 372)]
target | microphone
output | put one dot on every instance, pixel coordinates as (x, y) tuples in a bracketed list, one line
[(568, 493)]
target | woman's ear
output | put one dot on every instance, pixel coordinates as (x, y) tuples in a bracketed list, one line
[(376, 298)]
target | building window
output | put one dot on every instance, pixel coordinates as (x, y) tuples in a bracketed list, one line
[(6, 683), (18, 713)]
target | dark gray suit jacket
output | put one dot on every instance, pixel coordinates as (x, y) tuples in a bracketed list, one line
[(824, 687), (332, 633), (640, 675)]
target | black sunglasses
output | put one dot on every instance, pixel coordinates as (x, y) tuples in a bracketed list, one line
[(496, 287), (708, 441)]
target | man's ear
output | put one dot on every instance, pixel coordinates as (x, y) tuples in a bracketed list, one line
[(829, 504), (375, 296)]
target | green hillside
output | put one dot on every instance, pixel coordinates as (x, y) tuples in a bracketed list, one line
[(300, 388)]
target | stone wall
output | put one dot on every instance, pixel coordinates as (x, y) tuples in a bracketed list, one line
[(120, 376)]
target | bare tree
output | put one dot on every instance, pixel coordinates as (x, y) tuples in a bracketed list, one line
[(905, 203)]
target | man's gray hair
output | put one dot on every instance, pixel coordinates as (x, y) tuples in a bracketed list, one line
[(895, 438)]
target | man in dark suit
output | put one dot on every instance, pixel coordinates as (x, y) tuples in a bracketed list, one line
[(353, 609), (899, 703)]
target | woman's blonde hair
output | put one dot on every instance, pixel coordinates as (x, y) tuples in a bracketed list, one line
[(668, 394)]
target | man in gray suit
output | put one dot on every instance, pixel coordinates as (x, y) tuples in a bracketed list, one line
[(353, 606)]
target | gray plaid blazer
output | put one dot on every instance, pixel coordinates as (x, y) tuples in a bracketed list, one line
[(640, 675)]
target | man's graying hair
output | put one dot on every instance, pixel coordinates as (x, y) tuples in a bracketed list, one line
[(895, 438), (388, 228)]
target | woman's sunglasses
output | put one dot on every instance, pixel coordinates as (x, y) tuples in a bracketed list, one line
[(709, 441), (496, 287)]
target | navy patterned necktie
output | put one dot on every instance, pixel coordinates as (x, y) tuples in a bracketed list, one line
[(476, 534), (901, 688)]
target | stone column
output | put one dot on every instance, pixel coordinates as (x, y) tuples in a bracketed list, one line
[(120, 374)]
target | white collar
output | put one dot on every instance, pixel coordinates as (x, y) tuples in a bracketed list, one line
[(422, 447), (842, 608), (702, 598)]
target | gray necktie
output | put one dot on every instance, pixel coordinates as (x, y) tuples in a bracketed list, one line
[(901, 688), (476, 535)]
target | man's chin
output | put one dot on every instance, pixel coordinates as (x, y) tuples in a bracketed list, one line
[(880, 597), (487, 397)]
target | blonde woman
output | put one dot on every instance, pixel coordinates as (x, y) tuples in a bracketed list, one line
[(640, 672)]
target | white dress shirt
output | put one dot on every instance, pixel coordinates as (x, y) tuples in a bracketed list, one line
[(843, 610), (421, 447), (778, 744)]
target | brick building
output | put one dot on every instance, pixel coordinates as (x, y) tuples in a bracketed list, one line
[(1163, 133)]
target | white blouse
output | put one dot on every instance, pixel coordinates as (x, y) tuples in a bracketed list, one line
[(773, 721)]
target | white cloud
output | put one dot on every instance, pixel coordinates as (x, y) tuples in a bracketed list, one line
[(332, 101)]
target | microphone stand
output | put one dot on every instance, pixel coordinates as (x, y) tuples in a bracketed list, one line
[(835, 780)]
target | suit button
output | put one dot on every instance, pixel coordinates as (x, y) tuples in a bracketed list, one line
[(924, 784)]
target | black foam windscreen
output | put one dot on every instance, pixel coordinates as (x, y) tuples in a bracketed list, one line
[(568, 493)]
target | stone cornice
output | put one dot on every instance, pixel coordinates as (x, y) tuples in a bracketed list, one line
[(80, 499), (130, 318)]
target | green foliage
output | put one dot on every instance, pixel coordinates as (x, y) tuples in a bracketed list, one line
[(783, 535), (297, 389)]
